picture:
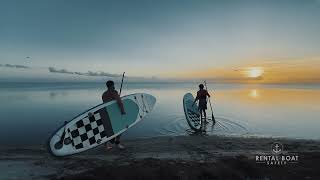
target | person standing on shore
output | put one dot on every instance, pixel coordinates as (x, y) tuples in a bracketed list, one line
[(202, 95), (109, 95)]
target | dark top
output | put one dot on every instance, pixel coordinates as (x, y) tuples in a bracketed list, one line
[(202, 97), (202, 94), (110, 95)]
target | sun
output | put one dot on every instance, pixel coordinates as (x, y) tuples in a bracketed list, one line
[(254, 72)]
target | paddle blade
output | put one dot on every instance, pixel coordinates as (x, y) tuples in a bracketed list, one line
[(213, 119)]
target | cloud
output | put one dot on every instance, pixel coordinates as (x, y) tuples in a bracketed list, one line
[(64, 71), (101, 73), (89, 73), (14, 66)]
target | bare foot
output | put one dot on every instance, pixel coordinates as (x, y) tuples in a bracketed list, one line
[(108, 146), (120, 146)]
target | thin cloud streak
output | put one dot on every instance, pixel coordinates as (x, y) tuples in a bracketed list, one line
[(14, 66), (89, 73)]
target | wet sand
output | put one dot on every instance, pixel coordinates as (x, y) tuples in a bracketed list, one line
[(182, 157)]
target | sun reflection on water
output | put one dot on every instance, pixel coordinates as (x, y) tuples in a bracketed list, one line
[(254, 93)]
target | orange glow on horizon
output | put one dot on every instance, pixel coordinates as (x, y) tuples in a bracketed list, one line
[(295, 71)]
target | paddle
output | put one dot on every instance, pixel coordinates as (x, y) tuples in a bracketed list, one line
[(213, 119), (59, 144), (121, 83)]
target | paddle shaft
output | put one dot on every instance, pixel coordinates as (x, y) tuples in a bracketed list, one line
[(205, 83), (121, 83)]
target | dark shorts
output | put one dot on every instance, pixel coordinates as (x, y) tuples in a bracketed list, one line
[(202, 104)]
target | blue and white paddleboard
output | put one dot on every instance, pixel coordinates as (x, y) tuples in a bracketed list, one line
[(100, 124), (191, 112)]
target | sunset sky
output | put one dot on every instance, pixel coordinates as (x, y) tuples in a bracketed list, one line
[(265, 41)]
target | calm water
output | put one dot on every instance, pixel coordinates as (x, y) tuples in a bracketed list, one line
[(31, 112)]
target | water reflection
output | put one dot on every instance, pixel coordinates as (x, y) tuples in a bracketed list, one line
[(239, 110), (222, 126), (254, 93), (55, 94), (288, 97)]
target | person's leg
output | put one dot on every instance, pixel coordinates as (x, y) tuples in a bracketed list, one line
[(203, 120), (204, 114), (200, 111), (117, 142), (108, 145)]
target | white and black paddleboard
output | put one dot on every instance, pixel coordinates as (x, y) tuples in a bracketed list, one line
[(99, 124)]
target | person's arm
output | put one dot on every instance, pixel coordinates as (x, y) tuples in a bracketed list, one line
[(208, 94), (103, 98), (196, 99), (119, 101)]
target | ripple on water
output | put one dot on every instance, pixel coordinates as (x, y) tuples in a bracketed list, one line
[(223, 126)]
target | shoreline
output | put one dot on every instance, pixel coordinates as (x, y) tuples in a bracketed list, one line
[(169, 157)]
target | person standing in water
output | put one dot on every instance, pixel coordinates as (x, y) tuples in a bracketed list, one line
[(202, 95), (109, 95)]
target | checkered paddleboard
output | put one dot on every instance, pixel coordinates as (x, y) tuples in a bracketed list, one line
[(87, 131), (100, 124)]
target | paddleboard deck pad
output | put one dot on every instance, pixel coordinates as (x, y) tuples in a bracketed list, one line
[(191, 112), (99, 124)]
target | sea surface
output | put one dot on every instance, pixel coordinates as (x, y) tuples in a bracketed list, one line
[(30, 112)]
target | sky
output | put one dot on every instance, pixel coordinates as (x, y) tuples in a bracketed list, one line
[(277, 40)]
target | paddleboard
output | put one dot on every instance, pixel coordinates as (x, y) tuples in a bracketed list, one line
[(99, 124), (191, 112)]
